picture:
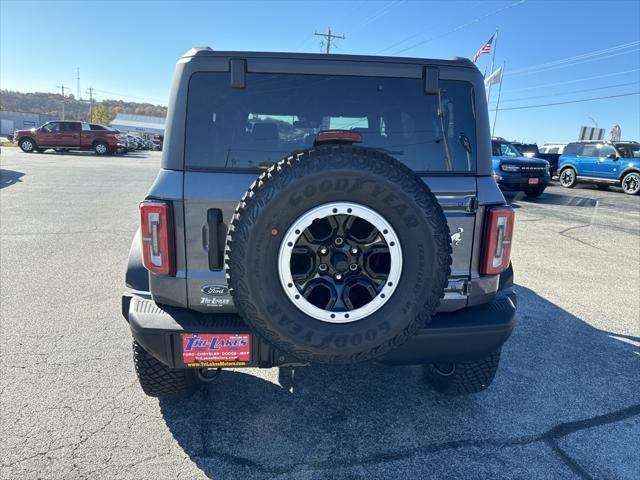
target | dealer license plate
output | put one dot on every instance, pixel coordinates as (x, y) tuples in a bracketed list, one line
[(216, 350), (534, 181)]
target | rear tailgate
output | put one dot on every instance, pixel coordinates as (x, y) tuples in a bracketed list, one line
[(210, 200)]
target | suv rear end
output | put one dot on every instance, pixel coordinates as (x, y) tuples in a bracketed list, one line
[(194, 305)]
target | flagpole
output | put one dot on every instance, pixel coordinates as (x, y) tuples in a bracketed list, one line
[(493, 57), (495, 117)]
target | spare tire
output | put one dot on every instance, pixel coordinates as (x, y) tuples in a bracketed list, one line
[(338, 254)]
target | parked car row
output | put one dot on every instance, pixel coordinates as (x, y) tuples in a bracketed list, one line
[(65, 136), (135, 142), (525, 167)]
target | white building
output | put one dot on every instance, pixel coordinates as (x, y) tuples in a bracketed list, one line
[(143, 124)]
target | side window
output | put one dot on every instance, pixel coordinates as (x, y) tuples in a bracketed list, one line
[(607, 150), (589, 151), (86, 127), (553, 150), (52, 127), (572, 149)]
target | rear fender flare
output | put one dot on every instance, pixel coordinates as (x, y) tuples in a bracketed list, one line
[(136, 277)]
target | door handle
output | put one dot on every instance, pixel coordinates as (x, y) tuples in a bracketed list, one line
[(216, 237)]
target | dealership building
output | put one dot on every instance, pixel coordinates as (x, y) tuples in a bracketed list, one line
[(143, 124), (11, 121)]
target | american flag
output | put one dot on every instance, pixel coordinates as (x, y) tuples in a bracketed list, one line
[(486, 48)]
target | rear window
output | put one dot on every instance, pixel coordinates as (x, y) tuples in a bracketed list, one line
[(572, 149), (274, 115)]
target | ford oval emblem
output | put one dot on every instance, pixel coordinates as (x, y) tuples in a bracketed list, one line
[(215, 290)]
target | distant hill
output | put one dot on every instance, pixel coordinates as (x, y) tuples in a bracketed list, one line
[(51, 103)]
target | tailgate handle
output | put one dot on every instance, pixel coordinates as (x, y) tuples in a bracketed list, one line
[(216, 236)]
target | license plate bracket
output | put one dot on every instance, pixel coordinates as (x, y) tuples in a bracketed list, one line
[(211, 350), (534, 181)]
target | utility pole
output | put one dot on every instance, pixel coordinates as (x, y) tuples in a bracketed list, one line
[(90, 92), (329, 38), (62, 87), (78, 85)]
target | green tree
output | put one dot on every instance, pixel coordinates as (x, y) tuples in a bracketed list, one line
[(100, 115)]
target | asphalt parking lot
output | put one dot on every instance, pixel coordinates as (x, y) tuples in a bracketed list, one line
[(565, 402)]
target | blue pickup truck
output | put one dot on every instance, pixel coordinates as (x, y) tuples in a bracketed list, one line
[(602, 163), (515, 172)]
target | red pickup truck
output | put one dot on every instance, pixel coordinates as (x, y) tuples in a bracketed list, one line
[(64, 136)]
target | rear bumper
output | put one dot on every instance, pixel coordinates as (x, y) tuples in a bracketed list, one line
[(467, 334)]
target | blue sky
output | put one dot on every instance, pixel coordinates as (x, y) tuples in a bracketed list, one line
[(128, 49)]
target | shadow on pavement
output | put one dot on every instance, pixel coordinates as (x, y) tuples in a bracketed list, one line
[(550, 199), (360, 421), (9, 177)]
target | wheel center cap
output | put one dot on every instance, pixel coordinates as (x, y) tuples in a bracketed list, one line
[(340, 261)]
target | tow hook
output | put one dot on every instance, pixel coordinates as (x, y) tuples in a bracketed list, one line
[(208, 375)]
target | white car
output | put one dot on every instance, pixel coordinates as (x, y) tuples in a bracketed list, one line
[(552, 148)]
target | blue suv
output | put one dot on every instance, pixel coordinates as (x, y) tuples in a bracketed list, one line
[(515, 172), (602, 163)]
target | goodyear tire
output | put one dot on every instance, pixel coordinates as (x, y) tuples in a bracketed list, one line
[(158, 380), (357, 226), (463, 378)]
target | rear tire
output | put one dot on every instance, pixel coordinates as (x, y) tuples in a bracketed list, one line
[(463, 378), (534, 192), (159, 380), (101, 148), (631, 183), (568, 178), (27, 145)]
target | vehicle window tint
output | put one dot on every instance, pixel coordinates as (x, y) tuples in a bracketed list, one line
[(629, 150), (503, 149), (589, 151), (277, 114), (86, 127), (606, 150), (51, 127), (553, 150), (572, 149)]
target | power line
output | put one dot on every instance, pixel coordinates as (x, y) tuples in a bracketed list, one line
[(329, 38), (575, 57), (579, 62), (126, 96), (449, 32), (613, 74), (378, 14), (571, 92), (567, 102)]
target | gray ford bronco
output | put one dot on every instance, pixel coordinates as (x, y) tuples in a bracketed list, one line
[(322, 209)]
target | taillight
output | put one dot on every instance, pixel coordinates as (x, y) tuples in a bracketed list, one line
[(339, 136), (155, 231), (497, 241)]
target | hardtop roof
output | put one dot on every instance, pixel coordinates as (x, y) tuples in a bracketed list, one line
[(203, 52)]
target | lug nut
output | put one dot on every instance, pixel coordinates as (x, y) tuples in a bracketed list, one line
[(338, 276), (354, 250), (323, 251), (322, 267), (339, 240), (353, 267)]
